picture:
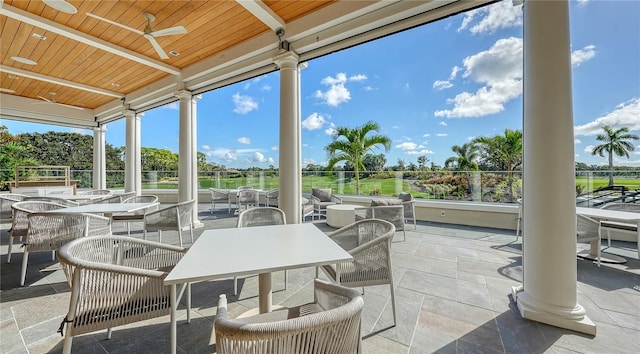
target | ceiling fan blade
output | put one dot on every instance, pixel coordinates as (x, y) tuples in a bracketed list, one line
[(156, 46), (169, 31), (115, 23), (68, 105), (45, 99)]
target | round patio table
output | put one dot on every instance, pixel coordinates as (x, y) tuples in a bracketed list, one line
[(340, 215)]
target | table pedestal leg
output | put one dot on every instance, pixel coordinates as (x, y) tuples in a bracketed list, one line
[(174, 327), (264, 281)]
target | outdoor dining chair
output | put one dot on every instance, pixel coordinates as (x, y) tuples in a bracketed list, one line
[(369, 242), (49, 231), (61, 201), (115, 280), (7, 199), (260, 216), (610, 225), (588, 230), (220, 195), (97, 192), (330, 324), (20, 222), (136, 216), (391, 213), (247, 198), (321, 199), (175, 217)]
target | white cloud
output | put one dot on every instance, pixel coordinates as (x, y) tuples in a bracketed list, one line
[(420, 152), (359, 77), (305, 145), (500, 69), (442, 84), (229, 157), (443, 123), (313, 121), (492, 18), (395, 127), (368, 88), (626, 114), (407, 145), (582, 2), (581, 55), (331, 129), (454, 72), (206, 147), (589, 148), (247, 86), (426, 135), (244, 140), (244, 104), (470, 138), (442, 134), (265, 87), (79, 131), (275, 148), (257, 157), (577, 141), (271, 161)]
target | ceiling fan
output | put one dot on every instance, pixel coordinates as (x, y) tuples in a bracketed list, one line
[(148, 32), (52, 100)]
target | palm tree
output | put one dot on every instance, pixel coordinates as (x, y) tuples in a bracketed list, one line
[(465, 161), (355, 145), (615, 141), (505, 151)]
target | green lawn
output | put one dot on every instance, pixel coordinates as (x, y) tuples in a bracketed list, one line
[(630, 183)]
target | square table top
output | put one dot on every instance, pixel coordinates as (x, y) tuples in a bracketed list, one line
[(608, 214), (222, 253), (106, 208)]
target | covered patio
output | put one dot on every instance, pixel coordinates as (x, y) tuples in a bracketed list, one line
[(281, 38), (450, 292)]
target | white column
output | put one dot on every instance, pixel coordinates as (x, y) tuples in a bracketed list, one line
[(99, 158), (549, 291), (289, 160), (187, 151), (132, 163)]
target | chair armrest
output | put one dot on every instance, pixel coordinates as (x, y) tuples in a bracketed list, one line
[(315, 200), (336, 199)]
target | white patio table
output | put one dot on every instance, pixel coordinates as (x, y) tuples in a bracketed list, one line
[(106, 209), (224, 253), (614, 215)]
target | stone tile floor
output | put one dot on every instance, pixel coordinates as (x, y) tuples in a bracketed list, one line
[(452, 293)]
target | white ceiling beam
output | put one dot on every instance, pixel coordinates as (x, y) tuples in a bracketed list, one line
[(263, 13), (55, 80), (48, 25)]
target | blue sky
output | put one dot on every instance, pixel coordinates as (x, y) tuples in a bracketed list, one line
[(429, 88)]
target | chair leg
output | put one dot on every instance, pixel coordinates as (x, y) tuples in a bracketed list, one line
[(53, 255), (66, 349), (180, 236), (286, 272), (609, 238), (9, 250), (128, 229), (23, 271), (393, 302), (160, 236), (144, 234), (191, 233), (109, 331)]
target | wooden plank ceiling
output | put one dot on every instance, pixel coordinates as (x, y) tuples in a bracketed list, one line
[(212, 27)]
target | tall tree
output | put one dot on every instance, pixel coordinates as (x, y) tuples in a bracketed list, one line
[(351, 145), (615, 142), (422, 162), (464, 161), (503, 151)]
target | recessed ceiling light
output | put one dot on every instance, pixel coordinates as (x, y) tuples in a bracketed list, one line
[(61, 5), (174, 53), (39, 36), (2, 89), (115, 84), (24, 60), (13, 77)]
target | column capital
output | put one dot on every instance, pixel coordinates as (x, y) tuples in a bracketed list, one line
[(183, 94), (287, 60), (128, 113), (100, 129)]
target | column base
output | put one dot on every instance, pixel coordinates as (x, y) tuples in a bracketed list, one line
[(573, 319), (197, 224)]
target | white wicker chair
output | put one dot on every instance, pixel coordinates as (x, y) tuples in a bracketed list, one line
[(115, 280), (136, 216), (369, 242), (620, 226), (260, 216), (392, 213), (20, 222), (329, 325), (104, 192), (588, 230), (49, 231), (322, 198), (175, 217), (247, 198), (7, 199), (61, 201), (409, 205), (519, 219), (220, 195), (271, 198)]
